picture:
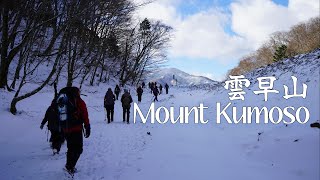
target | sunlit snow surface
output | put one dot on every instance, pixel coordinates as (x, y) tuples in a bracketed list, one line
[(173, 151)]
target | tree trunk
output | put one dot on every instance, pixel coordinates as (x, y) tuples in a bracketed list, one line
[(4, 66), (55, 90), (93, 76), (69, 81), (18, 98), (101, 74), (13, 104), (17, 73)]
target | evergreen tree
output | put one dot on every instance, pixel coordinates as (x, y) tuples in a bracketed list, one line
[(280, 53), (145, 27)]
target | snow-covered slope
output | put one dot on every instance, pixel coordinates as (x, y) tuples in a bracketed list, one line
[(175, 151), (166, 75), (304, 66)]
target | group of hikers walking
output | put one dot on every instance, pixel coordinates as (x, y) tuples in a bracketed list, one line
[(67, 118), (126, 99), (109, 101), (155, 91)]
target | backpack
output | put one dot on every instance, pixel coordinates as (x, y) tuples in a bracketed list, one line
[(67, 107), (117, 90), (126, 101), (108, 99), (53, 119), (155, 91), (140, 91)]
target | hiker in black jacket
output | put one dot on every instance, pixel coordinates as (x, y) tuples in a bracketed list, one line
[(109, 99), (167, 88), (52, 118), (152, 87), (160, 88), (126, 101), (155, 93), (139, 93), (117, 91)]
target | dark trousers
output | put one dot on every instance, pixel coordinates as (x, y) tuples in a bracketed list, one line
[(56, 140), (117, 96), (74, 144), (126, 110), (155, 98), (110, 112), (139, 97), (166, 91)]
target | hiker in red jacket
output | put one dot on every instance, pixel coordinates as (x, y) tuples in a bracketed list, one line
[(73, 114)]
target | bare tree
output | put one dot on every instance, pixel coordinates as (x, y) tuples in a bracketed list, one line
[(145, 48), (301, 38), (77, 39), (42, 46)]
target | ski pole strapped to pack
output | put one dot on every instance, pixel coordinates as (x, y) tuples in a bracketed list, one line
[(62, 102), (67, 108)]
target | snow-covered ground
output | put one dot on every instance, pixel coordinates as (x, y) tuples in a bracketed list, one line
[(173, 151)]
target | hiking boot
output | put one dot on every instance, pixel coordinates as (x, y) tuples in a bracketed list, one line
[(70, 170), (55, 151)]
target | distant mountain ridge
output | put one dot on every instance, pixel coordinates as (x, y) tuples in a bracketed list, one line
[(177, 77)]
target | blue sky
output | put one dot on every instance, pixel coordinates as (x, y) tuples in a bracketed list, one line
[(211, 36)]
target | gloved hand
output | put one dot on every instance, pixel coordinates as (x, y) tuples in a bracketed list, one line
[(88, 130), (41, 126)]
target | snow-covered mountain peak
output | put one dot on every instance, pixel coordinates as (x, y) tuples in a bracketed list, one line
[(177, 77)]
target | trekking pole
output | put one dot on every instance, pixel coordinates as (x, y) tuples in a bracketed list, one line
[(105, 114), (84, 132), (47, 134)]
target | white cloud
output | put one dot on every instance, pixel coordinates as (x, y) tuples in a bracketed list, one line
[(304, 9), (257, 19), (202, 35), (163, 10)]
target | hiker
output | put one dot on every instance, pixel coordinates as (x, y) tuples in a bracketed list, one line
[(126, 101), (152, 87), (109, 99), (167, 88), (155, 93), (52, 118), (72, 111), (160, 88), (143, 84), (139, 92), (117, 91)]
